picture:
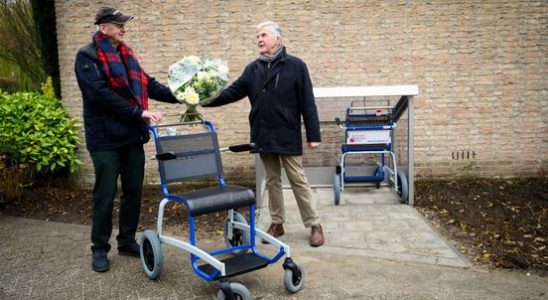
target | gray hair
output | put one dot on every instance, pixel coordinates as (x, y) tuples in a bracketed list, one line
[(274, 28)]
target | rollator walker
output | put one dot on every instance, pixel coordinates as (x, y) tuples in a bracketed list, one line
[(369, 130), (185, 157)]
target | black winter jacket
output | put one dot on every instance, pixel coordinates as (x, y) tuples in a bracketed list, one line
[(110, 121), (280, 93)]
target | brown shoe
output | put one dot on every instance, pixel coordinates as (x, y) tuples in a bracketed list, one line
[(316, 236), (275, 230)]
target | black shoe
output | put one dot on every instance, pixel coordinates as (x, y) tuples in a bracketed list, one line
[(132, 249), (99, 261)]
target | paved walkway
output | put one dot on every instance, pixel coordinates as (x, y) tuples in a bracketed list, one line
[(375, 250), (368, 222)]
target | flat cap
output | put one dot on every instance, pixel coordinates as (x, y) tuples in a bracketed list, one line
[(110, 15)]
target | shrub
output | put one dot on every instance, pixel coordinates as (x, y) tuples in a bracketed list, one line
[(14, 178), (43, 133)]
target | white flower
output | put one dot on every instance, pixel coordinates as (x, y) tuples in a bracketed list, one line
[(202, 76), (191, 97)]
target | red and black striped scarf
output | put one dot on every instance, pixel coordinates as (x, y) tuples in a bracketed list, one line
[(124, 72)]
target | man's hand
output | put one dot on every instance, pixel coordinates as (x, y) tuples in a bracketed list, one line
[(210, 99), (150, 117), (313, 145)]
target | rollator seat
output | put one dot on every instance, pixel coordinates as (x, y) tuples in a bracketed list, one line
[(365, 147), (219, 198)]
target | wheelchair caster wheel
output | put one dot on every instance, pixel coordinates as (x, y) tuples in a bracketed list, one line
[(293, 276), (239, 292)]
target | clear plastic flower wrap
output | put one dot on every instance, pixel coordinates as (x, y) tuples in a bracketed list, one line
[(196, 80)]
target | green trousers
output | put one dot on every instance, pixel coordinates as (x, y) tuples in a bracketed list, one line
[(127, 163)]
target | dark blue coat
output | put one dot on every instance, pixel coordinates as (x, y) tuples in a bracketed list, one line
[(110, 121), (280, 93)]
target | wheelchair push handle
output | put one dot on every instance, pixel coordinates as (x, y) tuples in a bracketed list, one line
[(239, 148), (166, 155)]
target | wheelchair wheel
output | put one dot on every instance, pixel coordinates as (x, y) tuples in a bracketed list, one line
[(403, 188), (151, 254), (239, 292), (293, 281), (337, 187), (239, 237)]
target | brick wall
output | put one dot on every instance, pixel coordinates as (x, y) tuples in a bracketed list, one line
[(481, 68)]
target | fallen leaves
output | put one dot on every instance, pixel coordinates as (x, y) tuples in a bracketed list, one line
[(502, 223)]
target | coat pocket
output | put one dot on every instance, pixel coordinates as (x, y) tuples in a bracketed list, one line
[(291, 120), (117, 128)]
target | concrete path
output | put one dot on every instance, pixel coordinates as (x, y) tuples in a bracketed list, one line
[(368, 222), (362, 260)]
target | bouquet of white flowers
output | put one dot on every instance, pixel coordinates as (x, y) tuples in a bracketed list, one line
[(194, 80)]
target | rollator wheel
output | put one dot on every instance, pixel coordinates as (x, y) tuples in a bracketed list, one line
[(239, 237), (337, 187), (293, 281), (403, 188), (378, 173), (239, 292), (151, 254)]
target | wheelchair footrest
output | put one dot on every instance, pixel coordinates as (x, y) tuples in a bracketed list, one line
[(238, 264)]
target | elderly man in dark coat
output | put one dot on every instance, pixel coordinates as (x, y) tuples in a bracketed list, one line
[(280, 91), (115, 91)]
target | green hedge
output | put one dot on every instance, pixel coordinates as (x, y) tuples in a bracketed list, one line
[(41, 132)]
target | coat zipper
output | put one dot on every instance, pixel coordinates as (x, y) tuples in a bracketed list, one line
[(97, 70)]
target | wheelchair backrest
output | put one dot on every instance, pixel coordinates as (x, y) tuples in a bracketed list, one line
[(196, 156)]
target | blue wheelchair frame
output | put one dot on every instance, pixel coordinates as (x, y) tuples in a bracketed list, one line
[(246, 257)]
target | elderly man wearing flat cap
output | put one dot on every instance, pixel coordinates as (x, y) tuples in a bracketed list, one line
[(115, 92)]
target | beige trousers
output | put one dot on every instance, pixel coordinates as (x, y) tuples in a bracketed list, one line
[(299, 184)]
